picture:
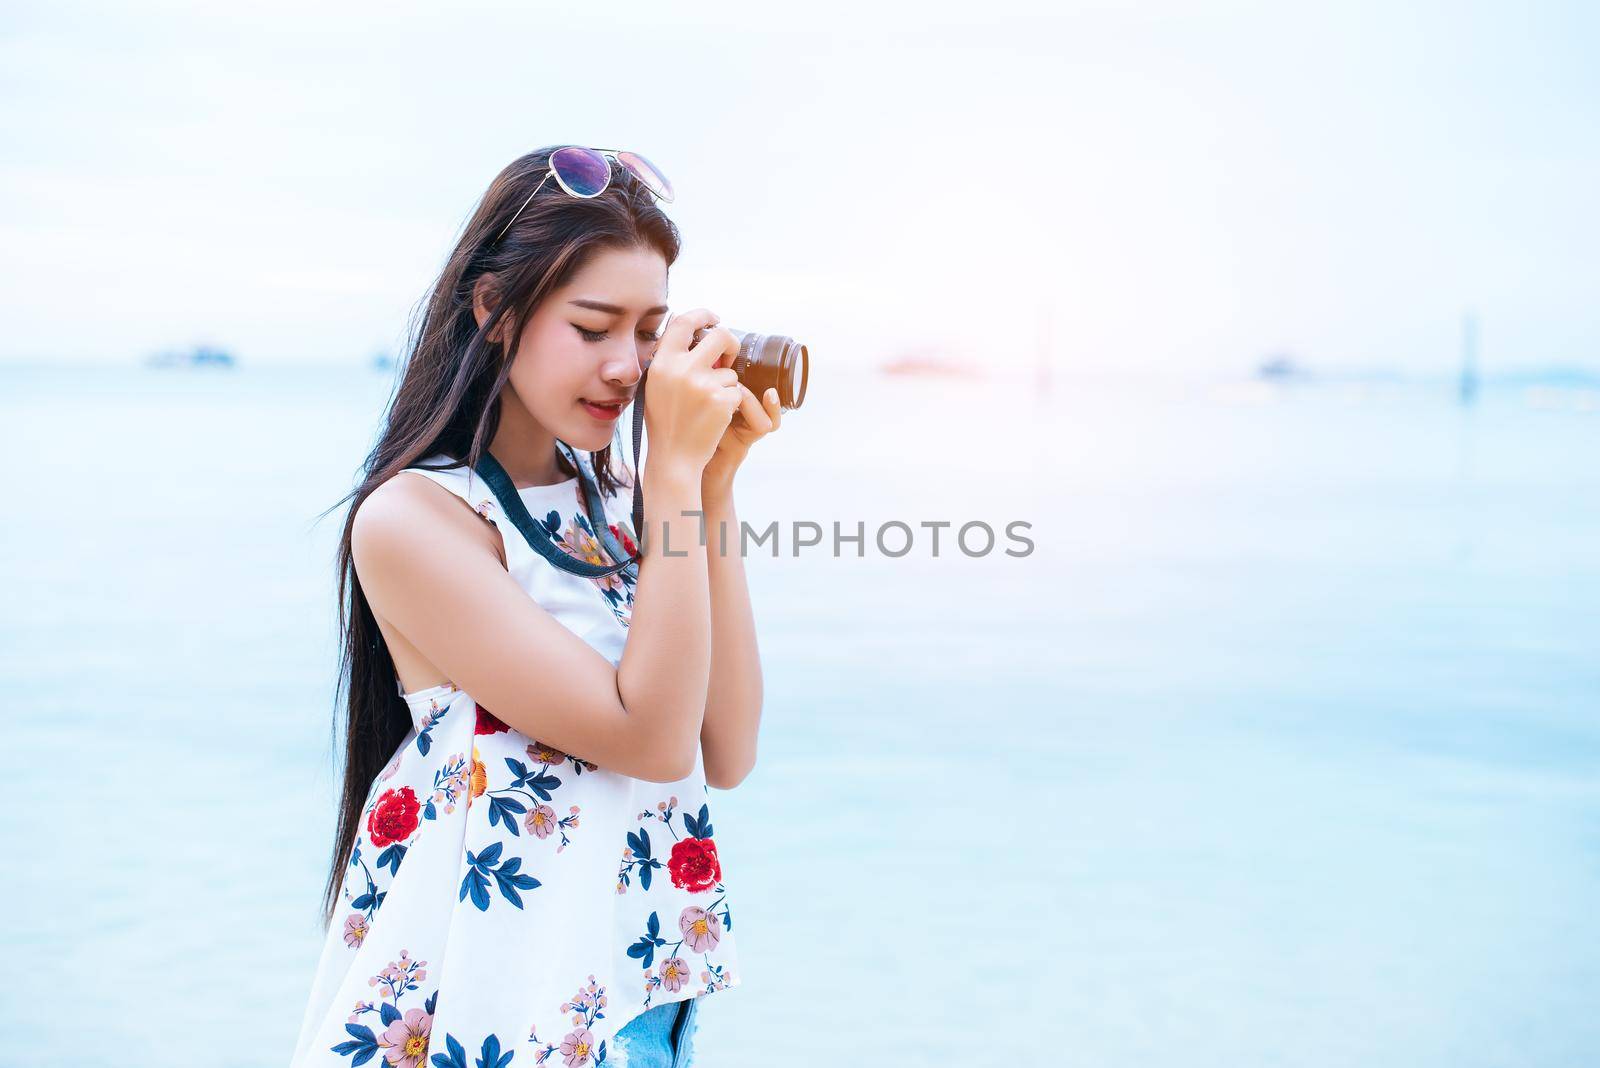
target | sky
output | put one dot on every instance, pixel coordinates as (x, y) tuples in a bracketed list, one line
[(1153, 188)]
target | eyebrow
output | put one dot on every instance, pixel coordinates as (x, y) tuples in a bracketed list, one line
[(612, 309)]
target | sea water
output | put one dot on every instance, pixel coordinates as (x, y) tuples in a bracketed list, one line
[(1280, 746)]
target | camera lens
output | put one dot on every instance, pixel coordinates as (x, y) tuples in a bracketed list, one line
[(770, 361), (776, 361)]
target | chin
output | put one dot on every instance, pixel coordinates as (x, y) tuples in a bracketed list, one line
[(587, 438)]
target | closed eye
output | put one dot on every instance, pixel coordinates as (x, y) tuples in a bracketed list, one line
[(600, 335)]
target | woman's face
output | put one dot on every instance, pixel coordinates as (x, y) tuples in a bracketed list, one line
[(587, 344)]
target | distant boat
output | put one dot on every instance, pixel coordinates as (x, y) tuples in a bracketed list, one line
[(929, 364), (1280, 368), (382, 361), (198, 356)]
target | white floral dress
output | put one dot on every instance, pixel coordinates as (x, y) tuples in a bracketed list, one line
[(506, 903)]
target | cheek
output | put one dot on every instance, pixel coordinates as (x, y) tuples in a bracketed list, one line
[(550, 373)]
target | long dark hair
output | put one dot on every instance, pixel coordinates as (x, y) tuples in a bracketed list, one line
[(447, 401)]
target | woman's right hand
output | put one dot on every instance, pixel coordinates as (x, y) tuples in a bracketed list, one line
[(690, 397)]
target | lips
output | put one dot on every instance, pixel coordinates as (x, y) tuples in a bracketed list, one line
[(603, 410)]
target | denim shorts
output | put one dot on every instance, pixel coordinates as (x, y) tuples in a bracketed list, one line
[(659, 1037)]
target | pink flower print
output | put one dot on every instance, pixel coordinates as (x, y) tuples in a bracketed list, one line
[(399, 976), (540, 753), (578, 1047), (484, 507), (541, 821), (361, 1007), (406, 1040), (701, 929), (582, 544), (674, 973), (585, 1000), (355, 929)]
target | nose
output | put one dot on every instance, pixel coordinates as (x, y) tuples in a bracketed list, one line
[(623, 366)]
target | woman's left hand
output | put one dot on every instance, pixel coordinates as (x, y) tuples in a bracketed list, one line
[(753, 420)]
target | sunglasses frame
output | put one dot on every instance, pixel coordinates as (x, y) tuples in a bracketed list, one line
[(610, 155)]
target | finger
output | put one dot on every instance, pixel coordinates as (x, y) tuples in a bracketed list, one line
[(724, 376), (774, 407), (717, 347), (749, 407), (683, 325)]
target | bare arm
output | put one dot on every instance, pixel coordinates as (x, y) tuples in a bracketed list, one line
[(427, 566), (733, 702), (667, 672)]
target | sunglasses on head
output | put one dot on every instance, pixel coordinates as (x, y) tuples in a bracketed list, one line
[(586, 172)]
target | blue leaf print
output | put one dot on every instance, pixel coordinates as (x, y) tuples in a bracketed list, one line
[(645, 948), (457, 1057), (477, 884), (543, 785), (699, 828), (391, 857), (501, 810), (491, 1054), (540, 782), (507, 876), (510, 882), (425, 743), (364, 1046)]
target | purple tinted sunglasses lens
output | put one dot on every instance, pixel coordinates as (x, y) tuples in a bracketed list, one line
[(581, 171), (648, 173)]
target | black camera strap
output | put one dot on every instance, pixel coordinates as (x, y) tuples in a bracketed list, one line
[(541, 541)]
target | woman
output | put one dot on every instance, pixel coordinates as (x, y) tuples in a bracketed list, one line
[(524, 867)]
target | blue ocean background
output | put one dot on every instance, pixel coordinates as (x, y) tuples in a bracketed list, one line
[(1282, 747)]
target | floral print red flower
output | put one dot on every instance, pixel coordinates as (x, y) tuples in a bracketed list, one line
[(394, 818), (627, 542), (488, 722), (693, 864)]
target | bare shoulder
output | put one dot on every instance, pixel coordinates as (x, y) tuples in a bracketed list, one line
[(409, 514)]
